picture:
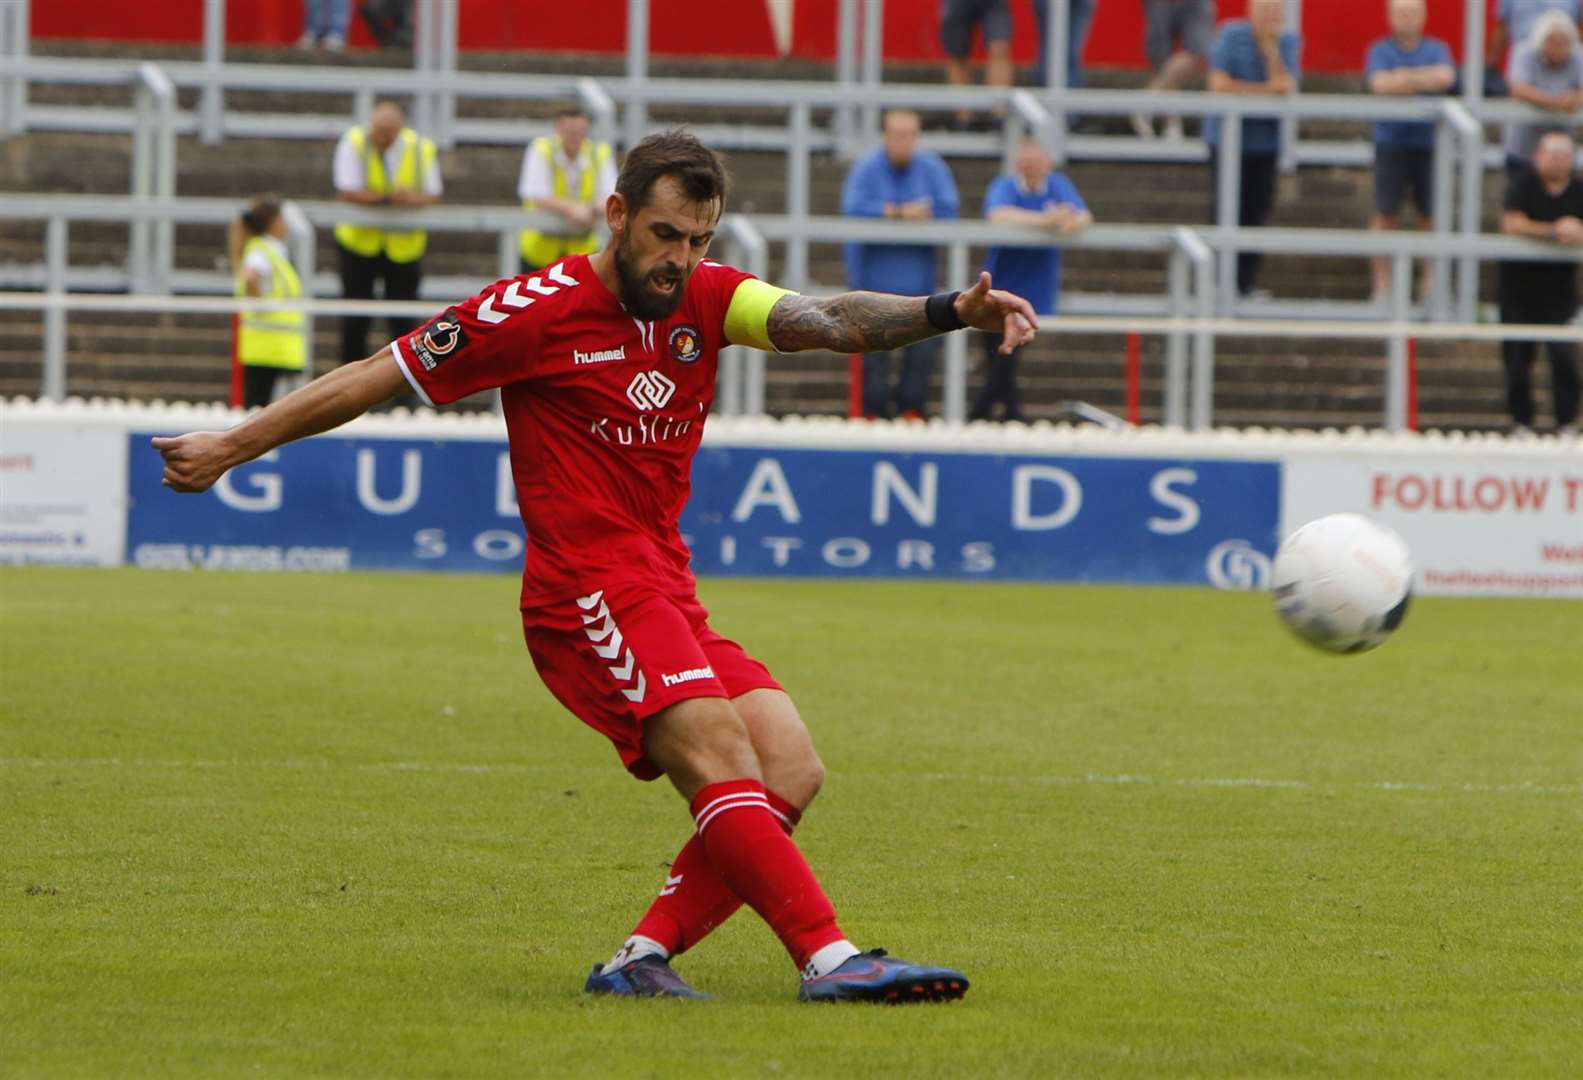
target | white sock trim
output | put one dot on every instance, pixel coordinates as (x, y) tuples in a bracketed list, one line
[(635, 947), (829, 958), (734, 803)]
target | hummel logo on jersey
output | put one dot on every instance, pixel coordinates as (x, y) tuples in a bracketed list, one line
[(690, 675), (650, 390), (599, 357)]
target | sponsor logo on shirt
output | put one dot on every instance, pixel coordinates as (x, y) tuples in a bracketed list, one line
[(687, 344), (650, 390), (599, 356), (690, 675), (439, 340), (648, 429)]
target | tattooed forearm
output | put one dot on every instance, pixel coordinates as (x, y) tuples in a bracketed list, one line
[(851, 322)]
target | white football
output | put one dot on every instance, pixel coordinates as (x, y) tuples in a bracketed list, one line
[(1342, 582)]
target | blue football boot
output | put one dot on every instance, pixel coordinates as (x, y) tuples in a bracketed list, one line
[(874, 976), (647, 976)]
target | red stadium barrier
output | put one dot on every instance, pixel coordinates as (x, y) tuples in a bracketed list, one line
[(1134, 378), (1335, 32), (236, 360), (1412, 384), (854, 385)]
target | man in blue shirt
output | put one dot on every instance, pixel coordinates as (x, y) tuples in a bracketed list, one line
[(1407, 62), (900, 182), (1253, 56), (1029, 195)]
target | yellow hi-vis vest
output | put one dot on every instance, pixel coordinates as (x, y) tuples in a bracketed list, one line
[(417, 158), (271, 338), (540, 249)]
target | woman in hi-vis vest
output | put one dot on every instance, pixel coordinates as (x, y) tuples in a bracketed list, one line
[(268, 342)]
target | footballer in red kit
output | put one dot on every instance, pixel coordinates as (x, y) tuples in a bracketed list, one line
[(606, 367)]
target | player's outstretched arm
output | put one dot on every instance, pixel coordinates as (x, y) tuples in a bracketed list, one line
[(193, 462), (876, 322)]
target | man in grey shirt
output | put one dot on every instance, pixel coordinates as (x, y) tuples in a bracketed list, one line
[(1546, 71)]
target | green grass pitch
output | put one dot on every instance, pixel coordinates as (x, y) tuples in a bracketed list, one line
[(294, 826)]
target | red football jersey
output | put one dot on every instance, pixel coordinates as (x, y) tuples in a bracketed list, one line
[(603, 411)]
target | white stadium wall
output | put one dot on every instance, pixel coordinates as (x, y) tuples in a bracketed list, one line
[(79, 485)]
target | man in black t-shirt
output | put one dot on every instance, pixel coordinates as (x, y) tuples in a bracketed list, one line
[(1545, 203)]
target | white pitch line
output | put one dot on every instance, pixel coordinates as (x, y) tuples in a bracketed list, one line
[(1522, 787)]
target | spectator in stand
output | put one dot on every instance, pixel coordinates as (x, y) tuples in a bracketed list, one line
[(571, 176), (1079, 21), (1258, 57), (268, 343), (1547, 72), (1031, 194), (1514, 23), (324, 23), (382, 164), (958, 20), (1165, 23), (1406, 62), (1544, 203), (390, 21), (898, 182)]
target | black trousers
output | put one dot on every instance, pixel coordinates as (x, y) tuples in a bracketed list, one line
[(359, 274), (1259, 175), (1520, 304), (912, 391), (1000, 382), (258, 385)]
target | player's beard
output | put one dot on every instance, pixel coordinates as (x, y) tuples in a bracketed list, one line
[(638, 295)]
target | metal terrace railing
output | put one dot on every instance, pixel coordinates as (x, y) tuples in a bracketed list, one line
[(1460, 161), (1185, 315)]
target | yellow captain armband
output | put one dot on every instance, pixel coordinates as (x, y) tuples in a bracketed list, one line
[(747, 319)]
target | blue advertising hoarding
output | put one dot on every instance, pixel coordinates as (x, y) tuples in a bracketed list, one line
[(335, 503)]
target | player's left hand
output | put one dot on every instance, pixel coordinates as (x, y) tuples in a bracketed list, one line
[(984, 308), (193, 462)]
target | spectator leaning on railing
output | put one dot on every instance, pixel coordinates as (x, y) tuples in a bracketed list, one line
[(1514, 23), (898, 181), (1031, 194), (1258, 57), (1546, 71), (382, 163), (1405, 63), (1165, 23), (570, 175), (1544, 203)]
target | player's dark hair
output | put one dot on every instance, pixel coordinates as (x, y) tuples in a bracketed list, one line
[(679, 155)]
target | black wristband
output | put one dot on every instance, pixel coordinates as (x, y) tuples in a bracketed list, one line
[(940, 310)]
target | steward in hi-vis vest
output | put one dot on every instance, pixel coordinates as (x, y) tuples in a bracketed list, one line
[(268, 342), (384, 164), (570, 175), (415, 157)]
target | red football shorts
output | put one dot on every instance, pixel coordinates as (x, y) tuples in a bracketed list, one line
[(619, 655)]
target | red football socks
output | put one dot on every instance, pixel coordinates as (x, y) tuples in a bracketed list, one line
[(695, 898), (743, 838)]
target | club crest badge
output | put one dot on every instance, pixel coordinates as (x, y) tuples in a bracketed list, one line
[(687, 344)]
